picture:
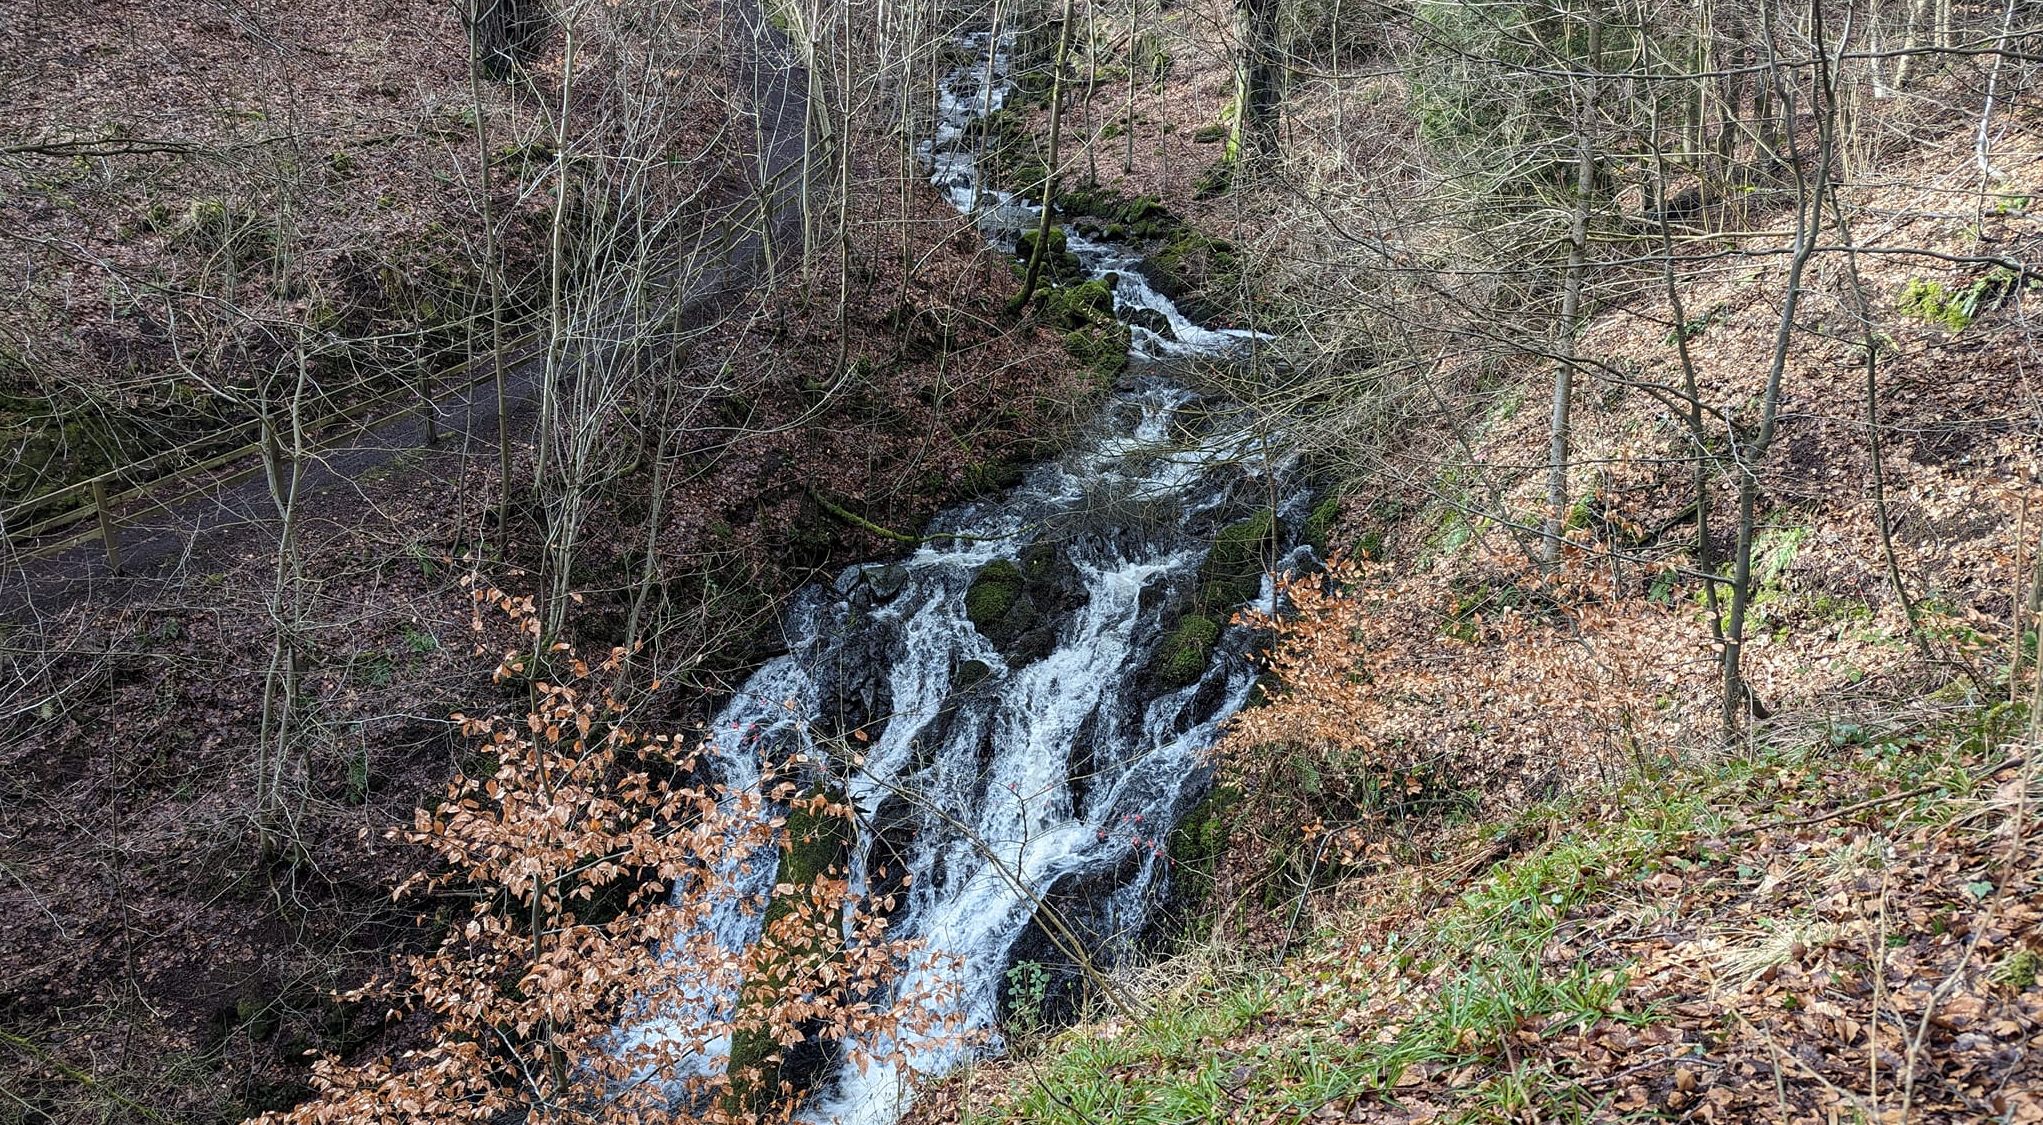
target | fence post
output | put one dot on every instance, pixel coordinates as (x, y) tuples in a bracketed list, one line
[(107, 535), (427, 406)]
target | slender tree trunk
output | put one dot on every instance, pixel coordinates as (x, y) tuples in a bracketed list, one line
[(1698, 431), (1863, 310), (1257, 85), (1808, 230), (1134, 39), (493, 281), (1571, 298), (1041, 249)]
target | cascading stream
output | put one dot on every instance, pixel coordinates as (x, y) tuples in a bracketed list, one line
[(1059, 749)]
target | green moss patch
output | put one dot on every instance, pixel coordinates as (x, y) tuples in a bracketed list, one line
[(1186, 652), (1320, 525), (993, 594), (988, 477), (1196, 845), (1088, 304), (1955, 310), (1103, 351), (1233, 570), (1058, 260), (815, 843)]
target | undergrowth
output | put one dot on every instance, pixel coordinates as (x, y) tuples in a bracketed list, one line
[(1437, 985)]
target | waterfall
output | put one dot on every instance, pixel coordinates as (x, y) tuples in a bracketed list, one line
[(1062, 754)]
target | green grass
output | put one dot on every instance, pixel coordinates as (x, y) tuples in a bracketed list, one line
[(1173, 1067), (1250, 1042)]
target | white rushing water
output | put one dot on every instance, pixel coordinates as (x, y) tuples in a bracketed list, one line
[(1063, 758)]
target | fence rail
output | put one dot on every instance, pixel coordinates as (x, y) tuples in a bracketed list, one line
[(100, 503)]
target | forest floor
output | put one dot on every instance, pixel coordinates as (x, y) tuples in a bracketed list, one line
[(158, 963), (1842, 928)]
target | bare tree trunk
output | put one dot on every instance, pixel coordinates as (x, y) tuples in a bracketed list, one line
[(1571, 298), (504, 35), (1808, 229), (1698, 431), (493, 280), (1869, 333), (1041, 249), (1134, 38), (1258, 92)]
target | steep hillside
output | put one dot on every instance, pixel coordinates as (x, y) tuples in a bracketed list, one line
[(1495, 847)]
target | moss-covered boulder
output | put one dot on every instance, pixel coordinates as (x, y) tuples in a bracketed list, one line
[(1184, 654), (816, 842), (1103, 351), (1233, 570), (1196, 271), (969, 674), (1196, 844), (1153, 320), (1058, 260), (993, 596), (1020, 607), (1320, 525), (985, 478), (1085, 305)]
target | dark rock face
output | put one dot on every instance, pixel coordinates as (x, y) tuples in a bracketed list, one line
[(1154, 321), (1021, 607)]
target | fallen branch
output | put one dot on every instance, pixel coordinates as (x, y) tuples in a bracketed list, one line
[(864, 524), (75, 1074)]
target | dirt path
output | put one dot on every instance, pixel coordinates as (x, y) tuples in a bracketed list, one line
[(163, 538)]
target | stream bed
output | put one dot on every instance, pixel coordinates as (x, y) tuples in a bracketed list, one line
[(1040, 762)]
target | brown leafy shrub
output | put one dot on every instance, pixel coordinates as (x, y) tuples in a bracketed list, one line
[(1397, 693), (574, 986)]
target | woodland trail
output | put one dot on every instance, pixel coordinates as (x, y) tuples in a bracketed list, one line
[(163, 539)]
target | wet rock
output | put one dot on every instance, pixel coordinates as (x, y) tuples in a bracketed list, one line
[(1058, 260), (1182, 658), (1022, 607), (1089, 304), (885, 581), (1151, 319), (1233, 571), (993, 600)]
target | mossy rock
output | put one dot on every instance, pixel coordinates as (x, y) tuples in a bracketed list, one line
[(1184, 655), (814, 844), (1103, 351), (1058, 260), (988, 477), (1319, 526), (1195, 845), (1038, 560), (1199, 839), (1147, 211), (1190, 267), (993, 596), (1266, 688), (1209, 134), (969, 674), (1233, 570), (1087, 304)]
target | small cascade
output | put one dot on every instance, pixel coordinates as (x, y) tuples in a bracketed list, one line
[(1049, 765)]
